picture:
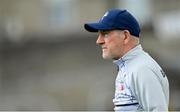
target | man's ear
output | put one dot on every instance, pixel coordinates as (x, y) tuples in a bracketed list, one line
[(127, 36)]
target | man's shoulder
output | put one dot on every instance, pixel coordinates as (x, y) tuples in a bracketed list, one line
[(143, 62), (145, 66)]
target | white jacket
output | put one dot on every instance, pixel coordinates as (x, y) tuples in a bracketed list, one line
[(141, 84)]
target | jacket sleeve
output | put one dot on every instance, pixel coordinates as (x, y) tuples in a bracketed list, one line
[(149, 91)]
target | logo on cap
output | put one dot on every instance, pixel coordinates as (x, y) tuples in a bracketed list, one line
[(104, 15)]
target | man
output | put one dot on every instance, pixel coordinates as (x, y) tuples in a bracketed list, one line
[(141, 84)]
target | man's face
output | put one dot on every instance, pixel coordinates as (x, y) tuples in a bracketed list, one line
[(112, 43)]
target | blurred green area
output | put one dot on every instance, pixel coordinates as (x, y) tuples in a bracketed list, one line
[(49, 62)]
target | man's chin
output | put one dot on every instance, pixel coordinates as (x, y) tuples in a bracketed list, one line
[(106, 57)]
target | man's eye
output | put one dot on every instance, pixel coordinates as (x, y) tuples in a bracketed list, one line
[(106, 35)]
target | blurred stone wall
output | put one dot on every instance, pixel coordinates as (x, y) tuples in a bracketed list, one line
[(49, 62)]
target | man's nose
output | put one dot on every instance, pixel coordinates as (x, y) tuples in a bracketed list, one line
[(100, 40)]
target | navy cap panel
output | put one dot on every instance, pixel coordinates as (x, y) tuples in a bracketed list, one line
[(109, 17)]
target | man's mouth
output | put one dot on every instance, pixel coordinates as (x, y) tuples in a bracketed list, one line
[(104, 48)]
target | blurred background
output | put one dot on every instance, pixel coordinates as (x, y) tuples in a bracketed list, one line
[(49, 62)]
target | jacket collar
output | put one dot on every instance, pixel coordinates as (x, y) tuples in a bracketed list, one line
[(129, 55)]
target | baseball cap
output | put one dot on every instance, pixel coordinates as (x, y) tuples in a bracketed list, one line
[(115, 19)]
